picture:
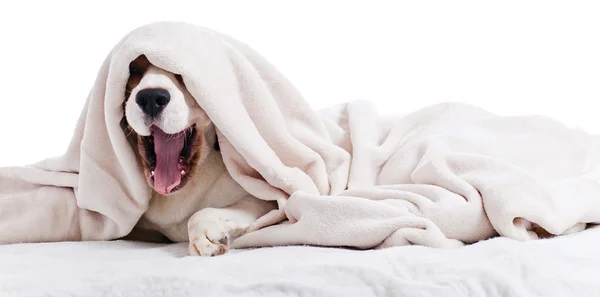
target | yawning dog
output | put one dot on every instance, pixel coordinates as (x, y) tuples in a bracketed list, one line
[(178, 149)]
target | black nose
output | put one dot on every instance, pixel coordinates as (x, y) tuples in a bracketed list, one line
[(152, 101)]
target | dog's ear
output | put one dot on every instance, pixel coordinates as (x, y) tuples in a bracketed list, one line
[(204, 119)]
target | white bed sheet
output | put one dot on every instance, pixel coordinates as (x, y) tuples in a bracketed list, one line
[(568, 266)]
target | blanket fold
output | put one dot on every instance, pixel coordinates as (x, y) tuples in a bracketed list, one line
[(443, 176)]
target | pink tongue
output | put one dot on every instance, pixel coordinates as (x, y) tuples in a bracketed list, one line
[(167, 148)]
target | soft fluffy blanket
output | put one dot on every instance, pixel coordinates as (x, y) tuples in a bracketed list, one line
[(567, 266), (442, 176)]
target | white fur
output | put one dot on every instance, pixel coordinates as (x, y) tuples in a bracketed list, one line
[(209, 224), (176, 116)]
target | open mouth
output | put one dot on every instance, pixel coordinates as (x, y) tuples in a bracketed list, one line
[(168, 157)]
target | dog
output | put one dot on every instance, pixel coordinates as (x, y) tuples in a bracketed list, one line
[(177, 147)]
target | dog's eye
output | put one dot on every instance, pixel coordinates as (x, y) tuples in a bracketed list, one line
[(134, 70)]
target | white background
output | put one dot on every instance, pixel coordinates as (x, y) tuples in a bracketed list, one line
[(511, 57)]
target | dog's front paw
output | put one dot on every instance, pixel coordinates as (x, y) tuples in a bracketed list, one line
[(208, 239)]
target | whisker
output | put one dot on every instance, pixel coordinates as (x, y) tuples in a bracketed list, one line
[(130, 131), (171, 136), (176, 135)]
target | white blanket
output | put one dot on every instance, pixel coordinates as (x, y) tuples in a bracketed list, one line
[(442, 176), (561, 267)]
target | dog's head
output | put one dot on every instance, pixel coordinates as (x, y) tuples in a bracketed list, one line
[(174, 135)]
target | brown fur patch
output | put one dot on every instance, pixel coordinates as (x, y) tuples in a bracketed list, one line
[(137, 69)]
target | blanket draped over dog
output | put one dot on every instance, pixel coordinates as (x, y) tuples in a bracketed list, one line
[(443, 176)]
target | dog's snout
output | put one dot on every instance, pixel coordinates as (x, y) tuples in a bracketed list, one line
[(152, 101)]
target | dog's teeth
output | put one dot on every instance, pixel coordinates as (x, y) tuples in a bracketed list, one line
[(182, 172), (152, 173)]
